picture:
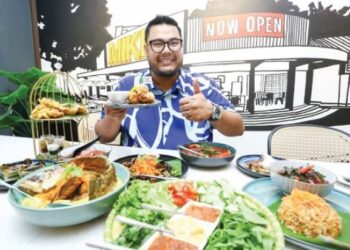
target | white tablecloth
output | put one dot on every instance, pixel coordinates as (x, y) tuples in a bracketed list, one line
[(17, 234)]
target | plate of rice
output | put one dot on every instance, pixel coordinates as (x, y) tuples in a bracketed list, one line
[(305, 216)]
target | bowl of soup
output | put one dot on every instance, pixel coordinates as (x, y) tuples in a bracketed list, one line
[(207, 154)]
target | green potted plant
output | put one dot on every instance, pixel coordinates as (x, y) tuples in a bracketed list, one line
[(15, 104)]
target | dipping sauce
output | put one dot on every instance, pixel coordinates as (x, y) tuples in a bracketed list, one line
[(188, 229), (203, 212), (163, 242)]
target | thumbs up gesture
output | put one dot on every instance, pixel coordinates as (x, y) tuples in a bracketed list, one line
[(195, 107)]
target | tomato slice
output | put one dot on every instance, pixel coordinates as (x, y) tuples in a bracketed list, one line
[(182, 192)]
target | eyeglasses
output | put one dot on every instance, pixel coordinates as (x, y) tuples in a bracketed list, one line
[(158, 45)]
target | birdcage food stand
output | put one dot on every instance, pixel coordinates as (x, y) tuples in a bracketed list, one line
[(57, 105)]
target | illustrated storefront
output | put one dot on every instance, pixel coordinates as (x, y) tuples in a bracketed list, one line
[(260, 60)]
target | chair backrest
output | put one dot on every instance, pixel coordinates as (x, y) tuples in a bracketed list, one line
[(86, 128), (309, 142)]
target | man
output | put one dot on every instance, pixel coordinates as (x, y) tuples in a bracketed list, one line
[(191, 104)]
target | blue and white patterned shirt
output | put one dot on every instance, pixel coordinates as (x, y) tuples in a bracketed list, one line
[(164, 126)]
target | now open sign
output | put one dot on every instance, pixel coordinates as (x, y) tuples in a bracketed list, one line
[(243, 25)]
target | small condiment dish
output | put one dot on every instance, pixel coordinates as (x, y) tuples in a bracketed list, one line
[(118, 97)]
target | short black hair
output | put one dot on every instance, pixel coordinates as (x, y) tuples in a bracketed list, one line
[(161, 19)]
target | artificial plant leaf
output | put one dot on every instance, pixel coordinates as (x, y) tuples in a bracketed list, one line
[(20, 93), (9, 121), (28, 77)]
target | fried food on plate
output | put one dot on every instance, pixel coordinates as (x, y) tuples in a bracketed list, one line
[(48, 108), (139, 94)]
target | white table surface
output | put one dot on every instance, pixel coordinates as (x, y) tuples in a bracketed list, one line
[(18, 234)]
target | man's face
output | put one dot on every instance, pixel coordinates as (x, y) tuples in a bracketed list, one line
[(167, 62)]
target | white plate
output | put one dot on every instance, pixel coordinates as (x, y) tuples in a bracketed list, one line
[(127, 105)]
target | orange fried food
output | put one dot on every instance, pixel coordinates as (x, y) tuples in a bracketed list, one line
[(70, 109), (49, 108), (50, 103), (140, 94), (82, 110)]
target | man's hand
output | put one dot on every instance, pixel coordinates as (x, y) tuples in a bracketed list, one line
[(196, 107), (118, 114), (108, 127)]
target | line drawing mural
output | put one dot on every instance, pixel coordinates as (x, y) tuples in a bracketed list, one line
[(279, 64)]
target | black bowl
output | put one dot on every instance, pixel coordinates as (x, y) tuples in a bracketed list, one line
[(204, 162), (161, 157)]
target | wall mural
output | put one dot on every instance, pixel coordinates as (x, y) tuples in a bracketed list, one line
[(278, 63)]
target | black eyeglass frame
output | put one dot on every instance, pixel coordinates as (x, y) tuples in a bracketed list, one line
[(165, 43)]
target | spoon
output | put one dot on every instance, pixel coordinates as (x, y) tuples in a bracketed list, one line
[(137, 223), (51, 205), (192, 151), (85, 146), (15, 188)]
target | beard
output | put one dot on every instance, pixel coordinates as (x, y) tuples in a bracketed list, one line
[(166, 72)]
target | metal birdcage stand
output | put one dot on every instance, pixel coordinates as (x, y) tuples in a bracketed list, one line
[(57, 105)]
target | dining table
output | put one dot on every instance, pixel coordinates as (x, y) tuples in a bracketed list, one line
[(16, 233)]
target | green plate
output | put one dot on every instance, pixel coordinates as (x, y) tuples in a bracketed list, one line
[(270, 195)]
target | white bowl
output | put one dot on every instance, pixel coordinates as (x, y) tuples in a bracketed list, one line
[(67, 152), (118, 97), (287, 184)]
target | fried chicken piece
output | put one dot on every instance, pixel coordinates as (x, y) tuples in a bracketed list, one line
[(50, 103), (147, 98), (82, 110), (54, 113), (70, 188), (140, 94), (132, 98), (68, 109)]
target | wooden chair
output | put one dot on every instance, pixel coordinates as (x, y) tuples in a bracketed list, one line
[(86, 129), (309, 142)]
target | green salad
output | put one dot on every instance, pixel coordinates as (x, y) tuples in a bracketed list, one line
[(245, 223)]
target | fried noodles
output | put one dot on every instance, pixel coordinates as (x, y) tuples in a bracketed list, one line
[(309, 214)]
